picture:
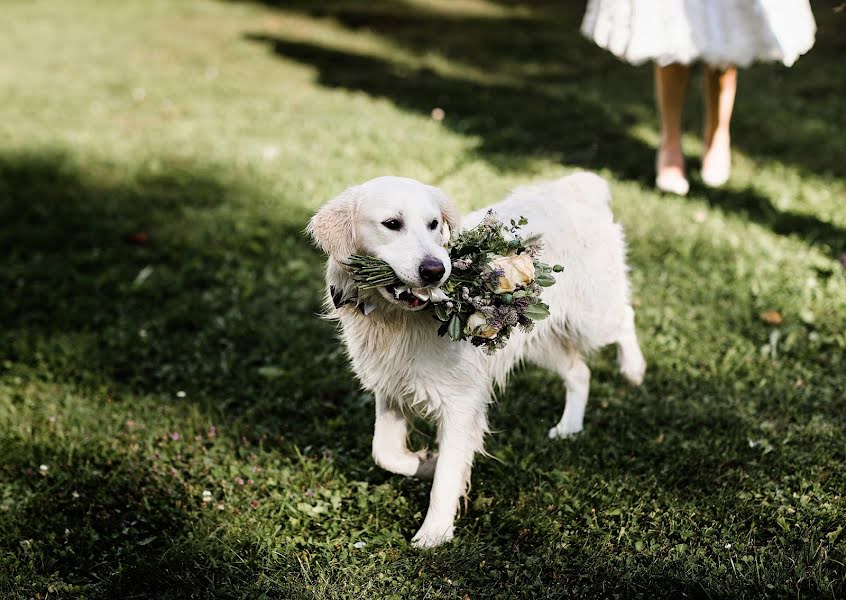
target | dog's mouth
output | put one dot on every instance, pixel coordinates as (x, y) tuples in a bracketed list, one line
[(409, 298)]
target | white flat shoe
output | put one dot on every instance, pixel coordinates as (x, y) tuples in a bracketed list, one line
[(672, 183), (716, 176), (715, 173)]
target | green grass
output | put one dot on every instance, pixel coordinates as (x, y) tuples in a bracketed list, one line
[(142, 373)]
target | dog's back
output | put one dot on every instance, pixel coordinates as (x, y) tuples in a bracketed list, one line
[(573, 216)]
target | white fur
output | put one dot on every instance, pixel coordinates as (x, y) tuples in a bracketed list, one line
[(398, 355)]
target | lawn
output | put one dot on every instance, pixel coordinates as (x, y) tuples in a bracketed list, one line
[(177, 422)]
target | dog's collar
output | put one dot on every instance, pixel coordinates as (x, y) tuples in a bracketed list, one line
[(338, 300)]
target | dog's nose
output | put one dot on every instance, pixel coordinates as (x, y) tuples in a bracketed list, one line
[(431, 270)]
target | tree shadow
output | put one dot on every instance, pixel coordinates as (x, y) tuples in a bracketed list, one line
[(756, 207), (126, 287), (515, 123), (106, 524), (149, 283), (227, 297), (539, 43)]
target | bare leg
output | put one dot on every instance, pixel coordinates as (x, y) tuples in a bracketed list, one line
[(670, 91), (389, 444), (720, 88)]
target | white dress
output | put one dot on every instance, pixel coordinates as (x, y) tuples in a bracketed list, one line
[(717, 32)]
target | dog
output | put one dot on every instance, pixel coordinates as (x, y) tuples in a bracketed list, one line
[(394, 346)]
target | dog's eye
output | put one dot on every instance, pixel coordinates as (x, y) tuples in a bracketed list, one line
[(433, 225), (393, 224)]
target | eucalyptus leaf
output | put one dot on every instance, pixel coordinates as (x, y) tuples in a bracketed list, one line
[(537, 312), (455, 328)]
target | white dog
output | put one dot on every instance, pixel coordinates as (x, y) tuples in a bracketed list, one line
[(395, 349)]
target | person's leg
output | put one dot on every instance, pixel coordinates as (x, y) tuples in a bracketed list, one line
[(720, 87), (670, 90)]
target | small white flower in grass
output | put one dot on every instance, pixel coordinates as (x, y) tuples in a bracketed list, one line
[(359, 544), (43, 469), (207, 496), (181, 394), (52, 418), (75, 495), (728, 546)]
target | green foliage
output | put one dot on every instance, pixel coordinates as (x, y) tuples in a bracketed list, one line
[(370, 272), (159, 336), (472, 286)]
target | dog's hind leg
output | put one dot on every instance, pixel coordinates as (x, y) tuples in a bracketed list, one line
[(390, 450), (577, 380), (570, 366), (629, 357)]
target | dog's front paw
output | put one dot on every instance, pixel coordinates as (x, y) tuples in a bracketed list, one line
[(562, 431), (429, 537)]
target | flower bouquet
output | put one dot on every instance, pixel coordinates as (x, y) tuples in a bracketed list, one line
[(495, 285)]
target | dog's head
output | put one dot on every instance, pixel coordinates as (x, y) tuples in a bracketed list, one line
[(401, 221)]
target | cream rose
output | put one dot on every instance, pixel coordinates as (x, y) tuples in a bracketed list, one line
[(517, 269), (477, 325)]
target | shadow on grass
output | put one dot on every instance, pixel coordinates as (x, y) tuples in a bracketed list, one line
[(761, 210), (153, 283), (539, 43), (220, 301), (140, 284), (104, 524), (516, 123)]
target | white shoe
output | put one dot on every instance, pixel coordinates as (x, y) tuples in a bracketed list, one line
[(672, 182), (716, 176), (715, 173)]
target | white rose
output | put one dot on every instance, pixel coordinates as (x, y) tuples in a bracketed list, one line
[(517, 269), (477, 325)]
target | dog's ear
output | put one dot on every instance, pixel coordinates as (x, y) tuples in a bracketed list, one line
[(450, 215), (332, 227)]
